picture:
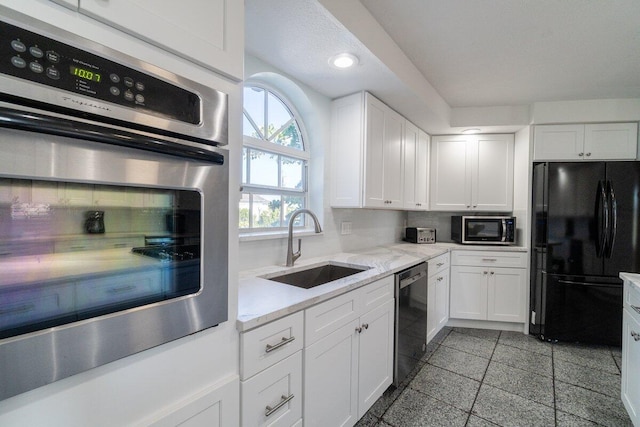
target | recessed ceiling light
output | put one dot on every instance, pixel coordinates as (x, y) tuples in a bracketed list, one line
[(343, 60), (471, 131)]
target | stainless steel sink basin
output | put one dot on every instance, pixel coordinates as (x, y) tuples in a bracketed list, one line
[(318, 275)]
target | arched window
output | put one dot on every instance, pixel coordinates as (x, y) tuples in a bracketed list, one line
[(274, 159)]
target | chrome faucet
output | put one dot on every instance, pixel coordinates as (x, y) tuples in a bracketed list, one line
[(293, 256)]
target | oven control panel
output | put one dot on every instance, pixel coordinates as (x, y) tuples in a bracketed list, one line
[(36, 58)]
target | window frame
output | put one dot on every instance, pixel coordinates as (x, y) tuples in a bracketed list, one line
[(273, 148)]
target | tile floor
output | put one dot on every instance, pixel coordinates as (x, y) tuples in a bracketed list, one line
[(475, 377)]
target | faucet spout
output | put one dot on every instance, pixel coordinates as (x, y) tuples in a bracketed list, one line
[(293, 256)]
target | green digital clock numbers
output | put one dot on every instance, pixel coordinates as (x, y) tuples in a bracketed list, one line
[(85, 74)]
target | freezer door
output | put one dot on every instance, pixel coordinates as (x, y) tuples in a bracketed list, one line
[(624, 237), (583, 309), (573, 218)]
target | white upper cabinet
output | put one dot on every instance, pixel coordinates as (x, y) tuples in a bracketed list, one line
[(602, 141), (472, 172), (207, 32), (416, 164), (366, 153)]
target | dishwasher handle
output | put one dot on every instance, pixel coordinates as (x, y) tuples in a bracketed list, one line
[(410, 280)]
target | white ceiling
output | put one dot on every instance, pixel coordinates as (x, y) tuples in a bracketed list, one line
[(427, 58)]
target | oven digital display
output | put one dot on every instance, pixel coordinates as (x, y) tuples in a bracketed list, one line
[(85, 74)]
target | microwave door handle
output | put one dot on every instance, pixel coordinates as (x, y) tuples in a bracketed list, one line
[(504, 230)]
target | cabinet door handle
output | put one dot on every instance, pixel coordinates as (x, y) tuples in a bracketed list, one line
[(489, 259), (492, 273), (588, 154), (282, 342), (636, 336), (440, 279), (484, 272), (284, 401), (580, 154), (359, 329), (365, 325), (440, 264), (636, 308)]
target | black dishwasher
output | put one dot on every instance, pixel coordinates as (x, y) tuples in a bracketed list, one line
[(411, 320)]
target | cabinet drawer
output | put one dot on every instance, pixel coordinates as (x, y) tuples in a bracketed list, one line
[(490, 258), (327, 317), (274, 396), (25, 306), (117, 289), (437, 264), (269, 344), (632, 300), (377, 293)]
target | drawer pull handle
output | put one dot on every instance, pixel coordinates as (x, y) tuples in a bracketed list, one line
[(284, 401), (440, 279), (120, 290), (24, 308), (489, 259), (284, 341), (440, 264), (635, 335), (636, 308)]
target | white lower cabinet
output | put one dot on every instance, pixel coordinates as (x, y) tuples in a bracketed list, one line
[(488, 286), (437, 295), (348, 368), (271, 373), (631, 352)]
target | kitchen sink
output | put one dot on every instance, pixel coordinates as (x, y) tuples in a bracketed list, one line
[(319, 275)]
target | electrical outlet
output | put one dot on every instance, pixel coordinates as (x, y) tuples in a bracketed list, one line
[(345, 228)]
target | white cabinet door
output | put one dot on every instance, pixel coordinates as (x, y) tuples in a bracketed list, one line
[(468, 293), (492, 177), (416, 168), (375, 361), (442, 299), (14, 191), (410, 141), (384, 163), (375, 152), (611, 141), (273, 397), (347, 145), (207, 32), (331, 379), (558, 142), (450, 172), (506, 294), (630, 364)]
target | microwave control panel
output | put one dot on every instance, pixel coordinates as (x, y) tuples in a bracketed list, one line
[(30, 56)]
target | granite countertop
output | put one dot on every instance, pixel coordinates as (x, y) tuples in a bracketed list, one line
[(28, 269), (261, 301), (632, 278)]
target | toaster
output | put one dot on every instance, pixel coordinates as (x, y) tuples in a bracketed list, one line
[(420, 235)]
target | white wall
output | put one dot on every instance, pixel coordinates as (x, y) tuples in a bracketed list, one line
[(136, 387), (369, 227)]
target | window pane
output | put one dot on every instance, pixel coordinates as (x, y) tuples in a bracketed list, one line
[(248, 129), (263, 168), (278, 114), (254, 105), (292, 173), (243, 221), (290, 137), (266, 210), (292, 203)]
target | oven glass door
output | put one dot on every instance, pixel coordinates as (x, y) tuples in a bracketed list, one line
[(483, 230), (73, 251)]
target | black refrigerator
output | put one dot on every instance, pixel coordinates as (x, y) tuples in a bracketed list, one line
[(585, 231)]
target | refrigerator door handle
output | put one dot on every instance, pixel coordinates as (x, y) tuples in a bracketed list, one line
[(602, 215), (613, 227)]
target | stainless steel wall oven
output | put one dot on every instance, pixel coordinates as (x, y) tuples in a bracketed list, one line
[(113, 190)]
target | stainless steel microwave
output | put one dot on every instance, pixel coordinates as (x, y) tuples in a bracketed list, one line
[(483, 230)]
